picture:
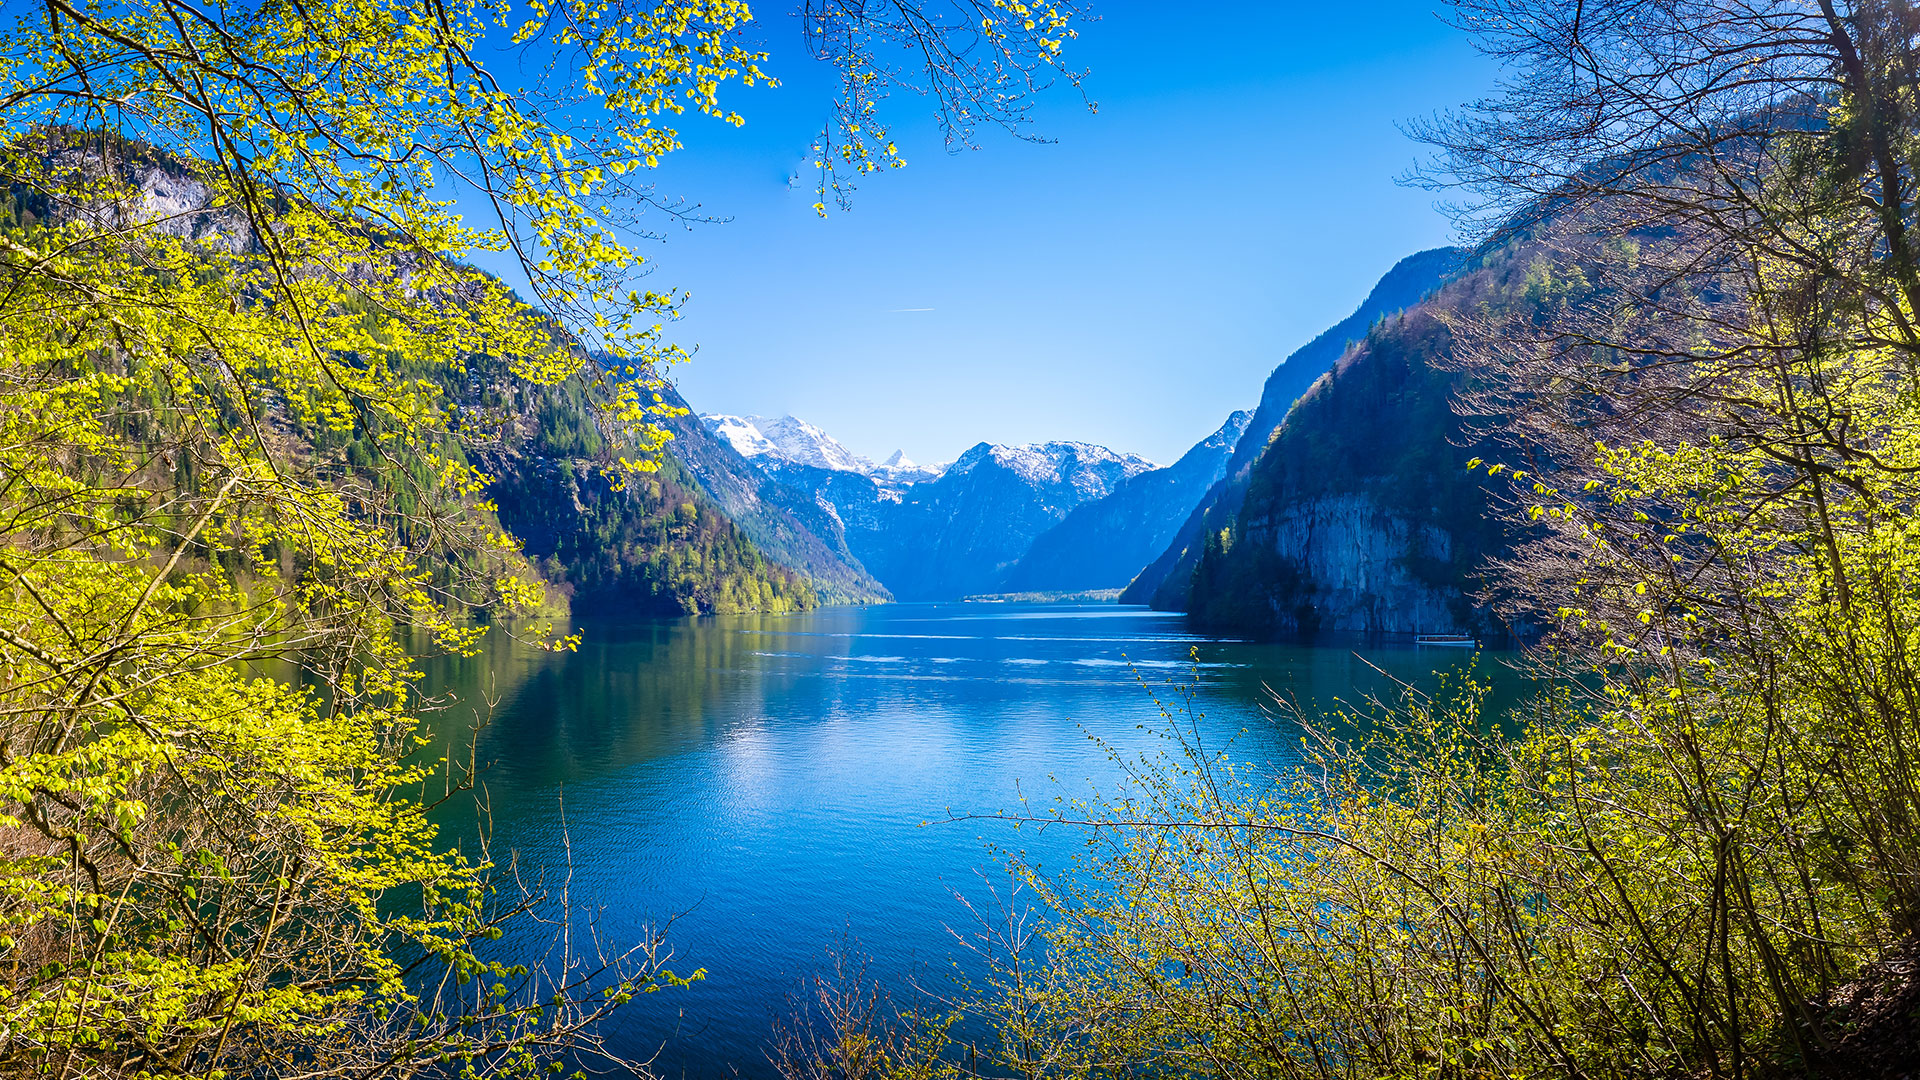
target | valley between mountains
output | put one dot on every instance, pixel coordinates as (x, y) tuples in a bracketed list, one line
[(1232, 531)]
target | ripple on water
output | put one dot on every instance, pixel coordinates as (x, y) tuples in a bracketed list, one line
[(764, 778)]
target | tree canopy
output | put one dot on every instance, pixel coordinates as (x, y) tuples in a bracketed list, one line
[(236, 306)]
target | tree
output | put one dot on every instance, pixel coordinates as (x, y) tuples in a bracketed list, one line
[(981, 61), (1721, 442), (235, 312)]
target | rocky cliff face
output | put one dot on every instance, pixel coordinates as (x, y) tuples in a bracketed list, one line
[(1103, 543), (1345, 563), (162, 193), (1165, 581), (1360, 514)]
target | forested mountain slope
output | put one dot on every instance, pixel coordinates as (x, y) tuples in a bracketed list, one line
[(1164, 581), (1361, 515), (659, 546), (787, 524)]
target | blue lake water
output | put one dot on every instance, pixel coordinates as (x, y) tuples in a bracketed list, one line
[(765, 778)]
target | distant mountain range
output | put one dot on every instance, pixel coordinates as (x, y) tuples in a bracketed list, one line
[(932, 532), (791, 441), (1070, 517)]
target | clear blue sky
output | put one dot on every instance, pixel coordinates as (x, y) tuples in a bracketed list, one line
[(1128, 284)]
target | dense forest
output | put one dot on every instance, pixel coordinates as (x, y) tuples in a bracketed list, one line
[(655, 544)]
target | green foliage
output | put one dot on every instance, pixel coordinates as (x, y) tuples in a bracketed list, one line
[(657, 546), (251, 389), (1702, 833), (1702, 836), (1669, 870), (229, 443)]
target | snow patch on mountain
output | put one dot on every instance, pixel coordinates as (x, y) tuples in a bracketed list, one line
[(937, 532), (792, 441), (898, 471), (787, 438), (740, 433), (1089, 469), (804, 444)]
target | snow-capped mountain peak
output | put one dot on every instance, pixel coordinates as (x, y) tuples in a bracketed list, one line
[(1084, 468), (1077, 463), (789, 439), (898, 471), (740, 433), (805, 444)]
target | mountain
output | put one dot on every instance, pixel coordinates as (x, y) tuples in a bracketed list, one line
[(897, 471), (658, 545), (960, 533), (788, 524), (1360, 515), (1103, 543), (1164, 582), (957, 530), (789, 438), (741, 434), (788, 442), (939, 532)]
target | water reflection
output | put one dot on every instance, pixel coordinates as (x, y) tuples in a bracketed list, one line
[(768, 775)]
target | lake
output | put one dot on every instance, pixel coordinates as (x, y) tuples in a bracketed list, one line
[(766, 778)]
